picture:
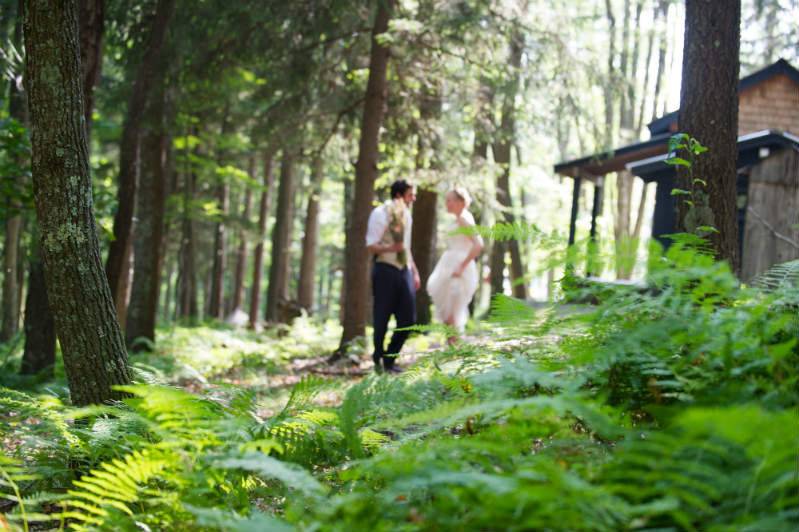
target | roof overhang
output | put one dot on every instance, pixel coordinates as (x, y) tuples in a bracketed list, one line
[(749, 147), (599, 164)]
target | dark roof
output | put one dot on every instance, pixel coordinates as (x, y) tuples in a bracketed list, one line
[(647, 169), (661, 125), (602, 163)]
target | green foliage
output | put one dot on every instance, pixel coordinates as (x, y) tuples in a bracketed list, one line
[(666, 406)]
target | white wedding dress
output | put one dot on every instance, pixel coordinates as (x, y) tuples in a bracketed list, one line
[(451, 295)]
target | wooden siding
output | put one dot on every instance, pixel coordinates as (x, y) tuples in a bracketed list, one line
[(771, 235), (772, 104)]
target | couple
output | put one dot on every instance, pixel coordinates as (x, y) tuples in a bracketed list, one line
[(395, 278)]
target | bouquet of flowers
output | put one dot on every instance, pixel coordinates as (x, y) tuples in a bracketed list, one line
[(396, 224)]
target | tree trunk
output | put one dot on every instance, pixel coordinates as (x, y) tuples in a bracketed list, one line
[(483, 129), (310, 241), (39, 354), (356, 261), (610, 84), (216, 305), (187, 271), (151, 199), (423, 247), (117, 265), (17, 110), (241, 252), (423, 237), (277, 292), (91, 341), (709, 113), (92, 28), (502, 156), (258, 258), (663, 12), (10, 324), (632, 77), (624, 64)]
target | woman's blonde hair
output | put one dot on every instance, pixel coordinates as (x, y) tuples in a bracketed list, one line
[(463, 195)]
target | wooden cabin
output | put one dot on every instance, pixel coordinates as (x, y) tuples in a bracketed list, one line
[(768, 170)]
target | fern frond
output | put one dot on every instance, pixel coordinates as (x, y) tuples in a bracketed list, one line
[(115, 485), (293, 476)]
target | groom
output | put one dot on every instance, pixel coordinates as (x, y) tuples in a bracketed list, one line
[(395, 278)]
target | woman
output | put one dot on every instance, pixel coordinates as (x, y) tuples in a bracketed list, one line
[(454, 279)]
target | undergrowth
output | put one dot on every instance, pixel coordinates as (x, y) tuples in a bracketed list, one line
[(669, 407)]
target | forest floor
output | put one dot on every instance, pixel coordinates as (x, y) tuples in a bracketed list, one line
[(269, 363)]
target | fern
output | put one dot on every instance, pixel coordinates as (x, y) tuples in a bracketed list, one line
[(779, 276)]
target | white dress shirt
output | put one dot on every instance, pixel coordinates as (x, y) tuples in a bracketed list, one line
[(378, 223)]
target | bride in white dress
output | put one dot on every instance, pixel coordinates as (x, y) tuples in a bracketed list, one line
[(455, 278)]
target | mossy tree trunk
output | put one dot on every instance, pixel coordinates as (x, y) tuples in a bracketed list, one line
[(91, 341)]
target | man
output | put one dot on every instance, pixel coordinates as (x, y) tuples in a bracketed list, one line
[(395, 278)]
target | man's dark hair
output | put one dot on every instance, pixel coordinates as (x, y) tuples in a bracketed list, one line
[(399, 188)]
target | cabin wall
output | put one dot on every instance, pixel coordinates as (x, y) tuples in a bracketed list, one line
[(771, 104), (771, 234)]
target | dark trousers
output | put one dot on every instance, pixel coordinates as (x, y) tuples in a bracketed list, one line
[(393, 293)]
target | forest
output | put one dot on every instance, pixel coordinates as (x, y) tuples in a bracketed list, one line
[(399, 265)]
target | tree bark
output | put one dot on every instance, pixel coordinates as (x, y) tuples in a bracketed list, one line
[(241, 251), (310, 241), (216, 304), (277, 291), (119, 253), (91, 341), (423, 238), (425, 212), (356, 261), (610, 84), (258, 257), (663, 12), (17, 110), (709, 113), (502, 156), (148, 247), (92, 28), (40, 337), (187, 271)]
